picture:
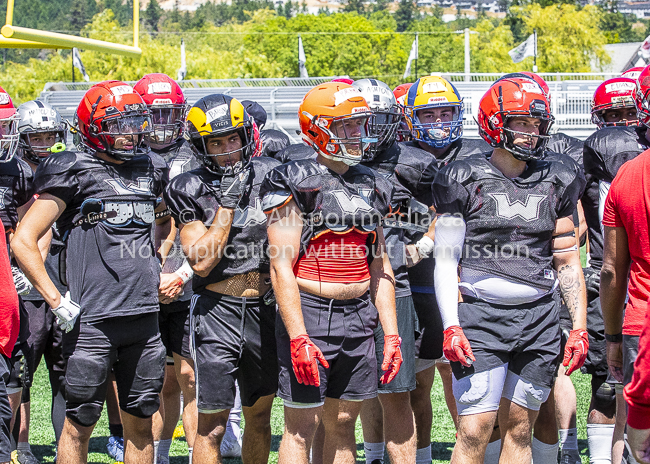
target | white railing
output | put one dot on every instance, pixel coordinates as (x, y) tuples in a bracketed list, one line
[(570, 101)]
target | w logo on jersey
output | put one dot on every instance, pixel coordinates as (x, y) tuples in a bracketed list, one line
[(353, 203), (251, 215), (528, 211), (3, 190), (143, 186)]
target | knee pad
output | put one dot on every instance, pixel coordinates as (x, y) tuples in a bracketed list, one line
[(523, 393), (85, 388), (144, 406), (86, 414), (605, 397), (479, 392)]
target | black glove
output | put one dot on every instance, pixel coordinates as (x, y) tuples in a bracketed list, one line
[(592, 280), (232, 188)]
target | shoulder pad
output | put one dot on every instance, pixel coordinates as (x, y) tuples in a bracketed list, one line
[(60, 162), (460, 170), (157, 160), (188, 182), (471, 147), (273, 141), (298, 151)]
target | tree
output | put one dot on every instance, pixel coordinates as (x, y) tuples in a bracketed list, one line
[(81, 13), (568, 39), (288, 9), (153, 13), (354, 6), (405, 14)]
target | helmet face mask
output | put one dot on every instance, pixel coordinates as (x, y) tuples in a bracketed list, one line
[(386, 113), (8, 138), (437, 134), (508, 101), (210, 124), (435, 94), (167, 123), (524, 145), (122, 135), (349, 137)]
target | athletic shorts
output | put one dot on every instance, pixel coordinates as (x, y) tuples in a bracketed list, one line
[(429, 344), (174, 325), (22, 357), (404, 381), (630, 352), (46, 338), (526, 336), (233, 339), (131, 346), (344, 332), (596, 363), (5, 411)]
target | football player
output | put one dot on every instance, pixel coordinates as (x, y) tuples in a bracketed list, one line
[(16, 190), (560, 410), (434, 115), (605, 152), (105, 200), (516, 238), (223, 234), (331, 276), (168, 108), (400, 92), (42, 132), (412, 170)]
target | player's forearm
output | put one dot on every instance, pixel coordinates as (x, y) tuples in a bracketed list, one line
[(613, 290), (207, 252), (29, 258), (572, 286), (162, 232), (382, 293), (287, 297)]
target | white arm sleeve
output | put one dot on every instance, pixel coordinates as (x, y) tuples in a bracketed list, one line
[(603, 190), (450, 236)]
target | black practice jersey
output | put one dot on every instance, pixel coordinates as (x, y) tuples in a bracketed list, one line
[(112, 269), (459, 149), (273, 141), (566, 145), (297, 151), (421, 275), (510, 222), (359, 198), (179, 157), (194, 196), (16, 189), (411, 169), (605, 151)]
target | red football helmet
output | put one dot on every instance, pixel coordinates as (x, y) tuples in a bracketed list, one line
[(345, 80), (112, 118), (641, 97), (614, 93), (167, 105), (530, 75), (400, 92), (633, 73), (511, 98), (8, 127)]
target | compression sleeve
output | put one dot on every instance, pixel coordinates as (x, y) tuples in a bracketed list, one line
[(449, 239), (603, 190)]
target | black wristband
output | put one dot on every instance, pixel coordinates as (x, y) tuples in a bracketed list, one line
[(618, 338)]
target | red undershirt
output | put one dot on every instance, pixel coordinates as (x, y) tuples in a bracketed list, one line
[(335, 257)]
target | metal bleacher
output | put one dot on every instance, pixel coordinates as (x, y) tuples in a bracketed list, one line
[(571, 96)]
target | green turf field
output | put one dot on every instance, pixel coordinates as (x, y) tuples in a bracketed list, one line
[(42, 435)]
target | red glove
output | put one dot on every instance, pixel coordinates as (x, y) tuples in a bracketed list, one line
[(305, 357), (456, 346), (575, 350), (392, 357)]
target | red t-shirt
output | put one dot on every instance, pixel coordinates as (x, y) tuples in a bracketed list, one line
[(637, 392), (9, 316), (628, 206)]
